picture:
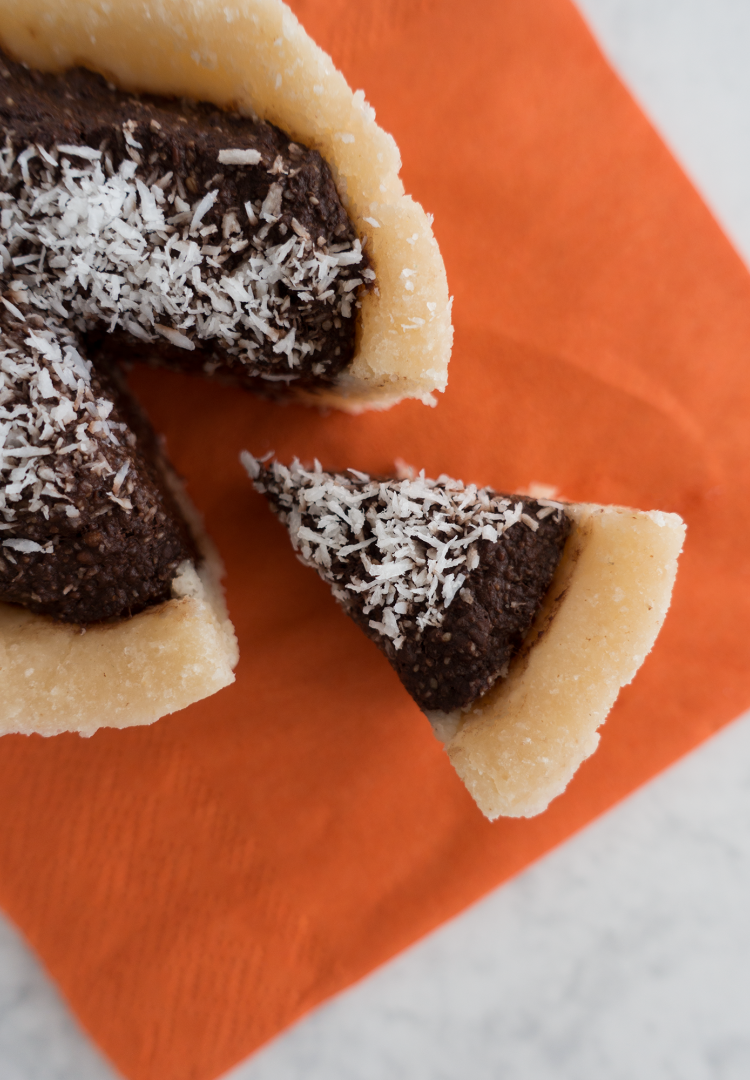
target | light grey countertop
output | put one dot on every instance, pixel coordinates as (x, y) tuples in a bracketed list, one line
[(625, 954)]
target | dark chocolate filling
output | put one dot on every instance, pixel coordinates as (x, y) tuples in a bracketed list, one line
[(78, 543), (446, 654), (447, 667)]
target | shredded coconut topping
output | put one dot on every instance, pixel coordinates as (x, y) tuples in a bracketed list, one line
[(82, 243), (51, 424), (85, 243), (406, 546)]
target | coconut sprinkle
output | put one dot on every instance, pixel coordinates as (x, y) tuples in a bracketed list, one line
[(52, 423), (87, 243), (406, 546), (239, 157)]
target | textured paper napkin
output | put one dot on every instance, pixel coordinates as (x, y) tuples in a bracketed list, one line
[(196, 886)]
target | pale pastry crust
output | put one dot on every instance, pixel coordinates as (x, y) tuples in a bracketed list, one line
[(255, 56), (518, 746), (57, 677)]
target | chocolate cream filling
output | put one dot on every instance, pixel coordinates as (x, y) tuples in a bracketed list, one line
[(133, 226), (447, 579), (89, 526), (209, 236)]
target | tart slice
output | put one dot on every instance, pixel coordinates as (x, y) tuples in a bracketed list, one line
[(111, 611), (512, 621)]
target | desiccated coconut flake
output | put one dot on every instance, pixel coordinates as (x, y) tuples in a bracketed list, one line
[(13, 309), (182, 341), (202, 208), (84, 152), (239, 157), (26, 547), (119, 479), (271, 208)]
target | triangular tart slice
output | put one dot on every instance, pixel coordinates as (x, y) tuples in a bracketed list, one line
[(512, 621)]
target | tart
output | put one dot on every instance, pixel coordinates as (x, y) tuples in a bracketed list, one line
[(244, 222), (254, 58), (513, 622)]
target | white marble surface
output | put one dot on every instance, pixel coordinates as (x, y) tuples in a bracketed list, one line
[(625, 954), (686, 61)]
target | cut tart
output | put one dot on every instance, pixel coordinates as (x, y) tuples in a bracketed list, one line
[(254, 60), (220, 221), (512, 621), (114, 613)]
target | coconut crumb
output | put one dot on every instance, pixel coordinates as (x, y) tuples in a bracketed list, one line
[(86, 244), (51, 424), (405, 545)]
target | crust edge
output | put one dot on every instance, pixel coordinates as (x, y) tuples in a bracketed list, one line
[(519, 745)]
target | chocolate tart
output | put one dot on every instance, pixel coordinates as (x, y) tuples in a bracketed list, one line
[(254, 58), (513, 622)]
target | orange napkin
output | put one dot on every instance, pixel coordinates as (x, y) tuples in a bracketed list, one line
[(196, 886)]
